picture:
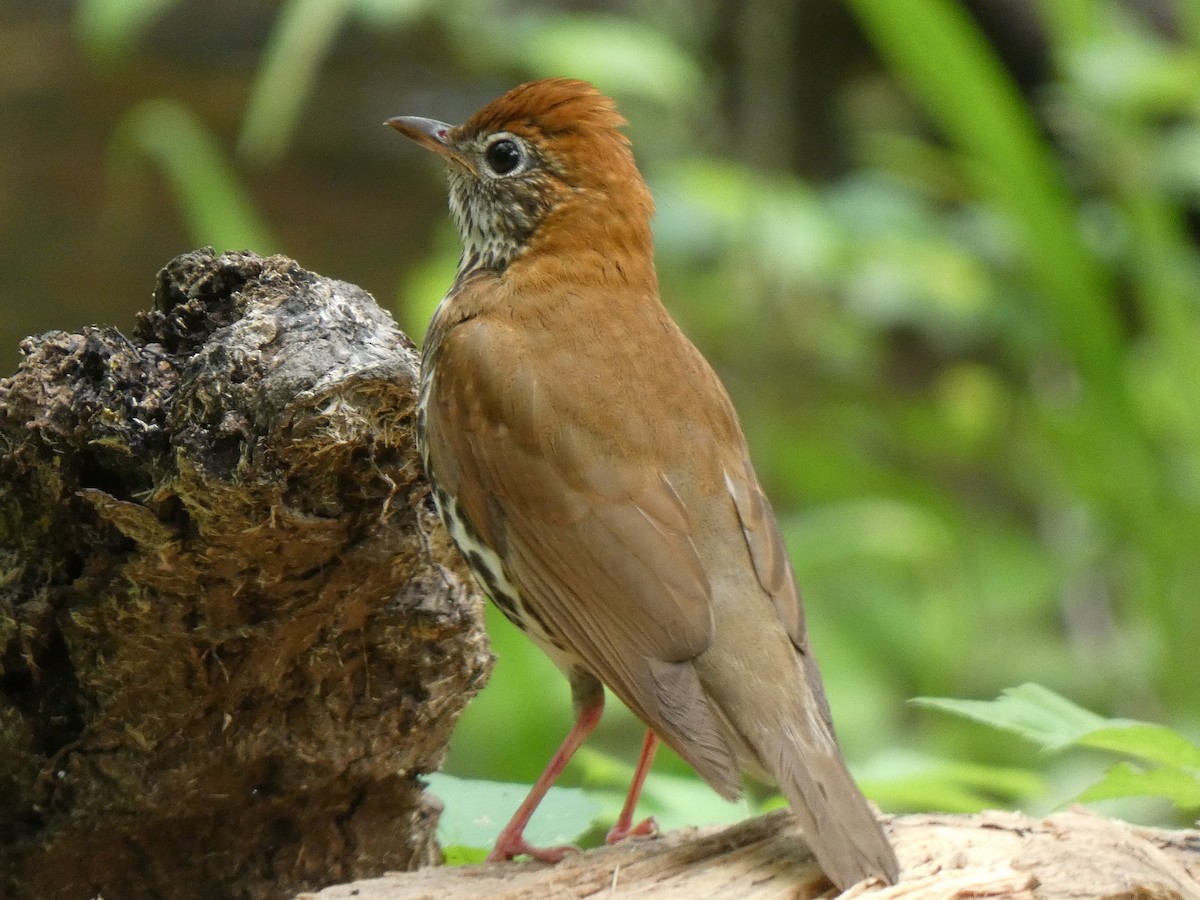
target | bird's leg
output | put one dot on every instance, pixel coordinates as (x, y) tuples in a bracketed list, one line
[(624, 826), (511, 841)]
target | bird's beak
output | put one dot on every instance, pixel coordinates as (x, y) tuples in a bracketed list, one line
[(432, 135)]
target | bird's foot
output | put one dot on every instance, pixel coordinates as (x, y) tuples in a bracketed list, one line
[(514, 845), (620, 831)]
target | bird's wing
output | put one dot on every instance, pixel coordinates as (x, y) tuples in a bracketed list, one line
[(773, 568), (767, 550), (597, 544)]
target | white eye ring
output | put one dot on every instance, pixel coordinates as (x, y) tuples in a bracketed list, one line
[(505, 155)]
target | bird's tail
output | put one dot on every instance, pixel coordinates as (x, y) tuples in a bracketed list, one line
[(783, 731), (804, 757), (844, 835)]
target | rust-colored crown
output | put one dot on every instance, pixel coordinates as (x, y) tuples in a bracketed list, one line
[(554, 107)]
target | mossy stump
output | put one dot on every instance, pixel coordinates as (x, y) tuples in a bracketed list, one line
[(233, 633)]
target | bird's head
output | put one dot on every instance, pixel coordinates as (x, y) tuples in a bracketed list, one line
[(544, 165)]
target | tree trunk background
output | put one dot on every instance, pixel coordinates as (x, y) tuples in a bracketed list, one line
[(232, 632)]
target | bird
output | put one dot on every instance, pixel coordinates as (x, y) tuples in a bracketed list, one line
[(592, 471)]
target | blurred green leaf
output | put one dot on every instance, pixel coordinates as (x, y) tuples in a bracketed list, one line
[(1127, 780), (1055, 723), (1146, 741), (459, 855), (1133, 71), (216, 207), (476, 811), (1177, 161), (1032, 711), (903, 780)]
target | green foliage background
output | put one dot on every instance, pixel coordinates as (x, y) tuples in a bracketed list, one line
[(965, 344)]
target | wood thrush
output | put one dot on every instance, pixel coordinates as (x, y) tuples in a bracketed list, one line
[(591, 469)]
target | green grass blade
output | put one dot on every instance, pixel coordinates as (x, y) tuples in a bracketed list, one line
[(945, 61), (111, 28), (298, 44), (216, 207)]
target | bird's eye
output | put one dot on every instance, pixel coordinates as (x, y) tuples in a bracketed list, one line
[(504, 156)]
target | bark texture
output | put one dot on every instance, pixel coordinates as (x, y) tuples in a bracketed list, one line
[(1075, 855), (232, 632)]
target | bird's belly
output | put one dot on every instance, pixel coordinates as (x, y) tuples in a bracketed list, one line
[(493, 578)]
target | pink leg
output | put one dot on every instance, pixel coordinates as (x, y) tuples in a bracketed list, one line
[(625, 827), (511, 841)]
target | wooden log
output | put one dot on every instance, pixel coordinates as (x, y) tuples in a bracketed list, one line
[(1068, 856)]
